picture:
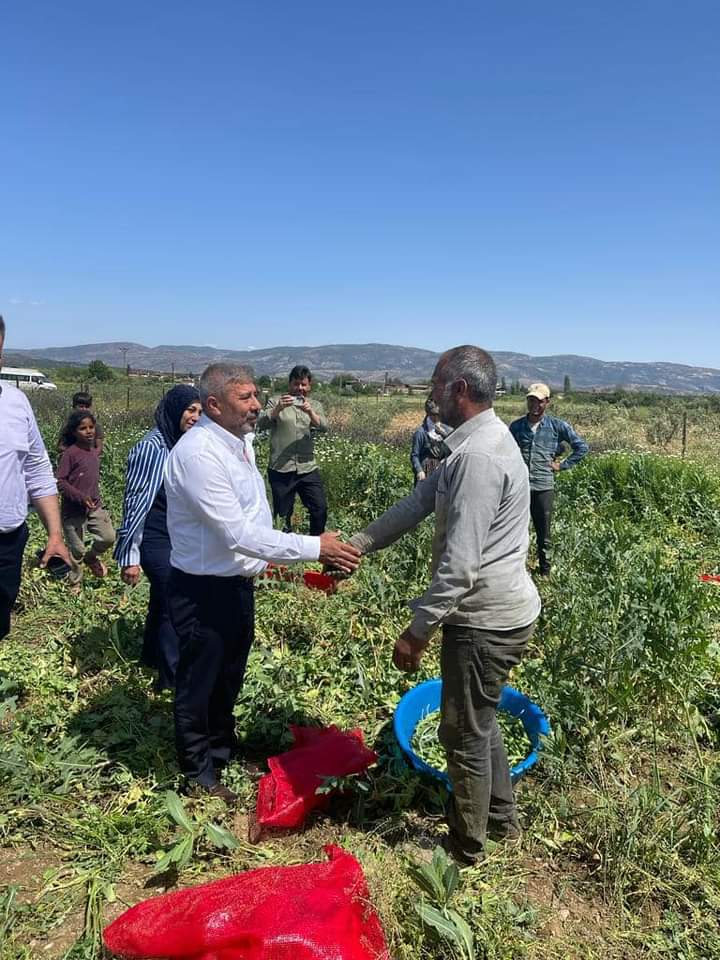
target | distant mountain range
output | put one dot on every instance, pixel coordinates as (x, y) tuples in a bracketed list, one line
[(371, 361)]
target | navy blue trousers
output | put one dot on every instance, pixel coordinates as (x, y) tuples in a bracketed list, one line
[(214, 618)]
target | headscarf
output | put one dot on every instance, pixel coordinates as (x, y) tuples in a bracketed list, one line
[(169, 411)]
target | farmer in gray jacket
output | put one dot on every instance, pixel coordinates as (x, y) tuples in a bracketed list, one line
[(480, 593)]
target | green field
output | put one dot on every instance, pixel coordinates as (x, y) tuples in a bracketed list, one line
[(620, 856)]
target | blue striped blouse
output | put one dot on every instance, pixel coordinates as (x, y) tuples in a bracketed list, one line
[(145, 465)]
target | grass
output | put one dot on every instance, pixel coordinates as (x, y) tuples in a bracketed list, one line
[(620, 856)]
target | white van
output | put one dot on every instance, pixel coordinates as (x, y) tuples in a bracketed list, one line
[(26, 379)]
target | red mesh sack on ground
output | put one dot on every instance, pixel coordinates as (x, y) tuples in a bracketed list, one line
[(315, 911), (288, 793)]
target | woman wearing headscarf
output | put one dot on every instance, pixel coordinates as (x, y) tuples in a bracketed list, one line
[(427, 444), (143, 540)]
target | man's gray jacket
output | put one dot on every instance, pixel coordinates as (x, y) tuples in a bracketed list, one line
[(481, 499)]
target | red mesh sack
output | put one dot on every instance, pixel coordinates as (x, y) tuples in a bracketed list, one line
[(288, 793), (314, 911)]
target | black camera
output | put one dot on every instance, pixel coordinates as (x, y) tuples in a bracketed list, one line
[(56, 566)]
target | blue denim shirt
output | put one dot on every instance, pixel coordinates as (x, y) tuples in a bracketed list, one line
[(539, 449)]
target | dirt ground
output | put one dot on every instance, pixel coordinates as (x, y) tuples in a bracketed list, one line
[(571, 922)]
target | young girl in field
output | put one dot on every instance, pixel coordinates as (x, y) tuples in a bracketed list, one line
[(83, 514)]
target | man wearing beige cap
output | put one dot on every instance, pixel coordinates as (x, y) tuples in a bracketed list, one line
[(541, 438)]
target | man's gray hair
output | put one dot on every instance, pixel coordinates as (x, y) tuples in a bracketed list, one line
[(476, 367), (218, 375)]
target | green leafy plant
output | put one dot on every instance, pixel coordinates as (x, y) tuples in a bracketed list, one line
[(621, 811), (439, 880), (192, 831)]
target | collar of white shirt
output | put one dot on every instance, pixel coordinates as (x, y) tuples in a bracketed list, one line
[(236, 444)]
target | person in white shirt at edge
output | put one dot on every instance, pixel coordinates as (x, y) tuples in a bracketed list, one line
[(222, 536), (25, 475)]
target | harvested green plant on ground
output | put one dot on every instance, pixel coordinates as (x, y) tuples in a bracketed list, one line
[(619, 856)]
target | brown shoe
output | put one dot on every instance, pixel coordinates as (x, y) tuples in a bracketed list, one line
[(96, 567)]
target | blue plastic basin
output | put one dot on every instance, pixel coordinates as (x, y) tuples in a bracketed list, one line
[(423, 699)]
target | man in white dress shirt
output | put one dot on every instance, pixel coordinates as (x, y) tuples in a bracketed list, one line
[(222, 536), (25, 476)]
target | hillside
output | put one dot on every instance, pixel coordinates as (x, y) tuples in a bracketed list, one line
[(371, 361)]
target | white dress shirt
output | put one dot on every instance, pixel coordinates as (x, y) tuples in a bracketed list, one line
[(25, 471), (218, 515)]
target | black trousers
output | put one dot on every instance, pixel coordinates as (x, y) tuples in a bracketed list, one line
[(309, 487), (541, 505), (214, 618), (12, 547)]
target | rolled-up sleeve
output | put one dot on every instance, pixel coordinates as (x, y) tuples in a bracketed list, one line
[(209, 493), (474, 490), (39, 479)]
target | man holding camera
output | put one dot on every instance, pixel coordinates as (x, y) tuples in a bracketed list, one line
[(292, 421)]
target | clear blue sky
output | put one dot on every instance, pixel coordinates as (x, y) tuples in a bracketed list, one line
[(540, 177)]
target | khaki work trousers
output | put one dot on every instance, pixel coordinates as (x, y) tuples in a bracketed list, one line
[(95, 524)]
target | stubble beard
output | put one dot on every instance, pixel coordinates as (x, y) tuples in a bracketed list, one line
[(449, 413)]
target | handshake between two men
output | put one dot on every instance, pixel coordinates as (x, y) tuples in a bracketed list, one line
[(479, 595), (337, 556)]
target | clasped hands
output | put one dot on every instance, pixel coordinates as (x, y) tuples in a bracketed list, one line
[(337, 555)]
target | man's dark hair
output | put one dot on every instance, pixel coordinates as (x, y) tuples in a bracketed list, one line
[(67, 434), (300, 372), (2, 329), (82, 399), (476, 367)]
